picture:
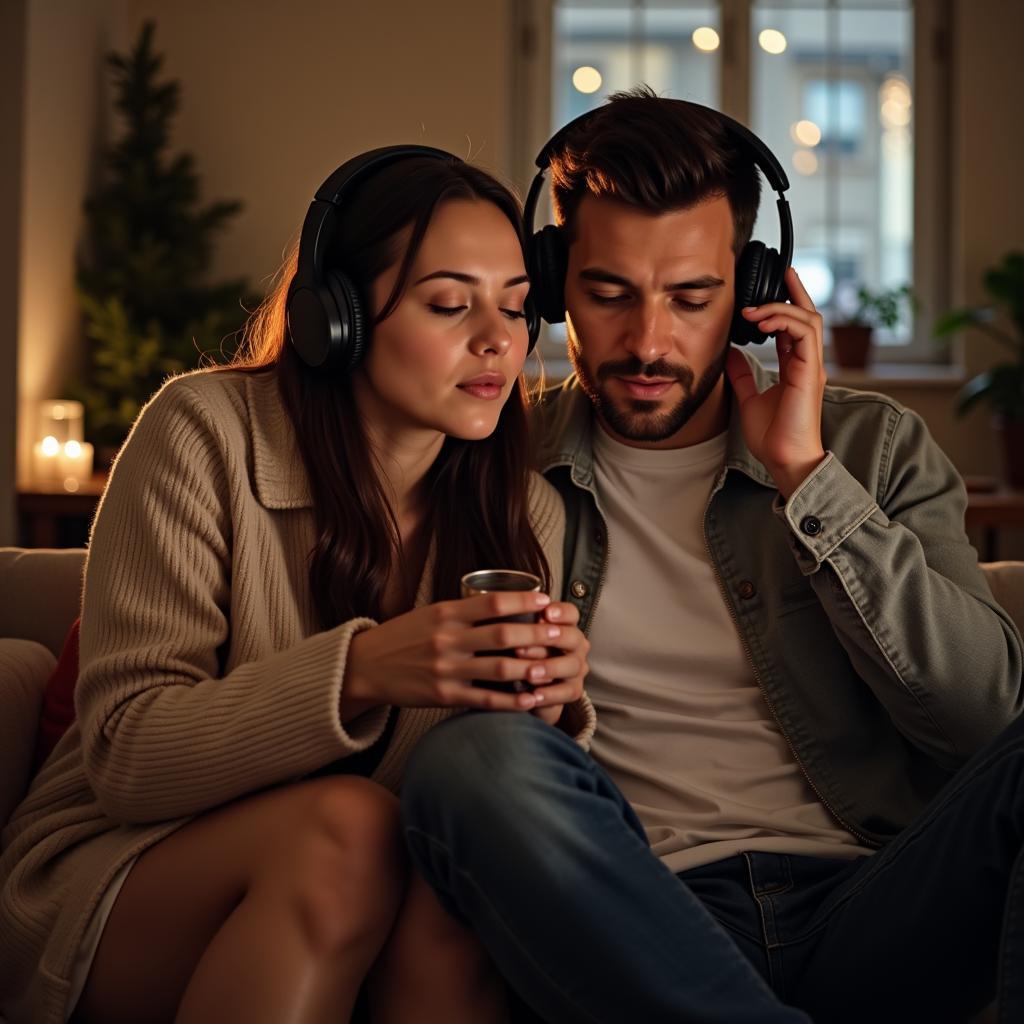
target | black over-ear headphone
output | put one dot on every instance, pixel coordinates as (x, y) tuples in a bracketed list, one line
[(328, 320), (759, 270)]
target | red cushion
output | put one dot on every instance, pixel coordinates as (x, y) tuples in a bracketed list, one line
[(58, 711)]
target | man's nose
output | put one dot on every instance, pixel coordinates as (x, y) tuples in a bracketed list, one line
[(648, 335)]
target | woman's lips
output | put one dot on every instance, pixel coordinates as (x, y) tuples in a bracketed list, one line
[(485, 385), (487, 391), (637, 388)]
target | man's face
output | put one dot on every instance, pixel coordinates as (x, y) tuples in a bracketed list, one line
[(649, 300)]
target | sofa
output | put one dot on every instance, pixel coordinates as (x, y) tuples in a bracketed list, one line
[(39, 600)]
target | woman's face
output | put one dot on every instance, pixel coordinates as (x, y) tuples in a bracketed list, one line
[(448, 356)]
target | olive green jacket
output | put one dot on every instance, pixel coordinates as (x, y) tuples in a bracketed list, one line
[(860, 604)]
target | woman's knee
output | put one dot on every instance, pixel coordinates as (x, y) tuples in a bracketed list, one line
[(345, 866), (428, 939)]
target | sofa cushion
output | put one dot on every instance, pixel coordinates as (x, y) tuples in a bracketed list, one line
[(48, 585), (58, 708), (1006, 580), (24, 668)]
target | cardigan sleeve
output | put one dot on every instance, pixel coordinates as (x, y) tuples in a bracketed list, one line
[(164, 734), (547, 514)]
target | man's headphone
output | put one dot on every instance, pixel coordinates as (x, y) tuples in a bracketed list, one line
[(327, 318), (759, 270)]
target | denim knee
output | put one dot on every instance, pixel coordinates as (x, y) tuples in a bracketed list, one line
[(470, 750), (481, 764)]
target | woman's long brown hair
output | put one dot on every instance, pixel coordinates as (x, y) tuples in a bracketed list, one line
[(477, 492)]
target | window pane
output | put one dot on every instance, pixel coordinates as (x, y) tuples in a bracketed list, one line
[(832, 98), (600, 48)]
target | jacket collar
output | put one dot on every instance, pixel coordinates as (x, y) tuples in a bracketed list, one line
[(279, 472), (566, 421)]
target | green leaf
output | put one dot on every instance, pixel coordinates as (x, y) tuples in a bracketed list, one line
[(957, 319), (976, 389)]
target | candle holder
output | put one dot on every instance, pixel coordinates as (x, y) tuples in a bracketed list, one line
[(61, 459)]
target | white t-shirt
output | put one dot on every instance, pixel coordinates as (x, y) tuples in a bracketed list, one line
[(683, 727)]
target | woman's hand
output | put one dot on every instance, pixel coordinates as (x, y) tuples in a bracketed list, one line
[(552, 697), (428, 657)]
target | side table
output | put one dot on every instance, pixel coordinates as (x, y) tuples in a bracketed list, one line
[(989, 511), (52, 518)]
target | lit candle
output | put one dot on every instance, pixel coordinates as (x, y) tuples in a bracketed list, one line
[(45, 467), (74, 464)]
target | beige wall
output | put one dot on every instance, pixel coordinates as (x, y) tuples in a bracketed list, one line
[(275, 96), (988, 205), (12, 82)]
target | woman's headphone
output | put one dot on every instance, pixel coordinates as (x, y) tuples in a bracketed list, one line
[(759, 269), (327, 316)]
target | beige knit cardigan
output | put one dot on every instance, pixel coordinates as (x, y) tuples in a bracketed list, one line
[(203, 676)]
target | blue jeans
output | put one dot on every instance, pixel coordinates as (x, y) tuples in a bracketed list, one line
[(527, 839)]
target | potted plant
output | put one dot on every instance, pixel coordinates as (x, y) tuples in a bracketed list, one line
[(852, 335), (1001, 386)]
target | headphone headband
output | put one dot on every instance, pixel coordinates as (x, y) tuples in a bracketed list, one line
[(319, 223), (764, 158)]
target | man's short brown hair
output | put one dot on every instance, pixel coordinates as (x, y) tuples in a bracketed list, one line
[(657, 154)]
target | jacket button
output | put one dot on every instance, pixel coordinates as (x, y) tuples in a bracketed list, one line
[(579, 588), (811, 525), (746, 590)]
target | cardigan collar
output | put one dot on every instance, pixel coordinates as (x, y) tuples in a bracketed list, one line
[(279, 472)]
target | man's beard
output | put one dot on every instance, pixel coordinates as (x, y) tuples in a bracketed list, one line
[(639, 420)]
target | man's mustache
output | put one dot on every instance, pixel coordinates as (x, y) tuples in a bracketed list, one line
[(660, 368)]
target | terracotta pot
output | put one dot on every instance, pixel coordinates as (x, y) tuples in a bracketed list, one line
[(1011, 433), (851, 345)]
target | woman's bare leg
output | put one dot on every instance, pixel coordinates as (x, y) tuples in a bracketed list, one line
[(270, 909), (433, 969)]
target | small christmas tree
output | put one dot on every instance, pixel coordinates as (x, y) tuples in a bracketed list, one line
[(148, 308)]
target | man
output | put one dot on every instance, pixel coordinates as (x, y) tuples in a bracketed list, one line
[(794, 654)]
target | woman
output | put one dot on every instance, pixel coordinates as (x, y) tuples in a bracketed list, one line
[(271, 621)]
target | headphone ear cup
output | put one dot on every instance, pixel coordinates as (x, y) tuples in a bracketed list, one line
[(748, 280), (774, 275), (760, 279), (349, 333), (549, 261), (309, 323)]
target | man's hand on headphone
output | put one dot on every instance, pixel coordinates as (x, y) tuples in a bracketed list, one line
[(782, 424)]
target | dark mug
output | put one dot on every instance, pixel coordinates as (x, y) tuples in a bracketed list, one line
[(487, 581)]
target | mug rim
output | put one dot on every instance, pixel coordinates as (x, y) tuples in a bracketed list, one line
[(520, 573)]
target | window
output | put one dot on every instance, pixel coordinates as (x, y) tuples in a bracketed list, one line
[(832, 87), (835, 105)]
